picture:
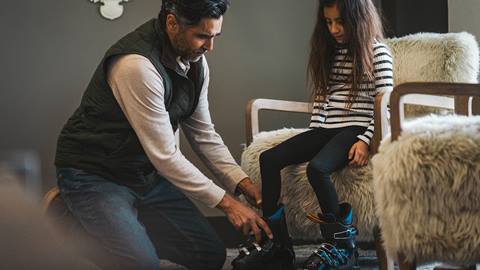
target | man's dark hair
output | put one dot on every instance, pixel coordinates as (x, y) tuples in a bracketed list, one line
[(191, 12)]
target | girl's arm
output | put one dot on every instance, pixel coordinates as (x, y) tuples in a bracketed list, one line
[(383, 72)]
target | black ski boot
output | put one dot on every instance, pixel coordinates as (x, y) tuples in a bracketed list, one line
[(339, 250), (270, 254)]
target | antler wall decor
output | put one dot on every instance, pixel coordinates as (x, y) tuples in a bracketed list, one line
[(110, 9)]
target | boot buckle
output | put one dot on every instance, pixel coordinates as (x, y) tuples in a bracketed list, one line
[(347, 234), (257, 246), (244, 250)]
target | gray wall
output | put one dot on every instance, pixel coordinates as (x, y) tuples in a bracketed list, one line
[(463, 16), (50, 49)]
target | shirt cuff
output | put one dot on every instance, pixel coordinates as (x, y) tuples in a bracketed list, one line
[(232, 179), (364, 139), (213, 196)]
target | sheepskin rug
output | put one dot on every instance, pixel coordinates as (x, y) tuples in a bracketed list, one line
[(354, 185), (427, 190)]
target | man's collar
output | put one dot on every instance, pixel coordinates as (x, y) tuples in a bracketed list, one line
[(184, 65), (169, 57)]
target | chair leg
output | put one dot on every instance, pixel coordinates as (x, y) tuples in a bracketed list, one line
[(383, 262), (404, 264)]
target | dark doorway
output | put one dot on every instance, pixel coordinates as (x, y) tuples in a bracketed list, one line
[(404, 17)]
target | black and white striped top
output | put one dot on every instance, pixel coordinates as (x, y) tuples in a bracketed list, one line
[(333, 112)]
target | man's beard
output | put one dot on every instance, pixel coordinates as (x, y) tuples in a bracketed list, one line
[(180, 46)]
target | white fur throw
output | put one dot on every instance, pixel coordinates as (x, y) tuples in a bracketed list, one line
[(353, 186), (427, 190), (423, 57)]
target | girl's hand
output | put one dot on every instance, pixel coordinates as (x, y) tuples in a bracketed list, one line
[(358, 154)]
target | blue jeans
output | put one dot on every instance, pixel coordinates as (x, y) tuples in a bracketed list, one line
[(136, 230)]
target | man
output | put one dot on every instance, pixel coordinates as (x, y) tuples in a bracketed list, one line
[(118, 167)]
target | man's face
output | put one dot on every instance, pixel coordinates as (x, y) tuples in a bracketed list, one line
[(191, 42)]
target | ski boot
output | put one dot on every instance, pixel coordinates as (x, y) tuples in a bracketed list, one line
[(270, 254), (339, 250)]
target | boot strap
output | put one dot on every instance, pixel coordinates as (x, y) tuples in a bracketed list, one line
[(347, 234), (330, 255)]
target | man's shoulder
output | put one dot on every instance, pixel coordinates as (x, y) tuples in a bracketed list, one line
[(135, 68), (132, 62)]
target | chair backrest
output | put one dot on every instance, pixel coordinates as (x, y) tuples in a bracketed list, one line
[(433, 57)]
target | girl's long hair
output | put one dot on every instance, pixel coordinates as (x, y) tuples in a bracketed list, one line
[(362, 27)]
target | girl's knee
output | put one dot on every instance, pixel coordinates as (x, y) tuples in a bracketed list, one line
[(315, 171), (268, 158)]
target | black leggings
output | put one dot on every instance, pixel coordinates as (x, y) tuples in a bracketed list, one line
[(325, 149)]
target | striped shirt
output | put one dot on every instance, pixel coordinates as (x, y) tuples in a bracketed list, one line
[(333, 112)]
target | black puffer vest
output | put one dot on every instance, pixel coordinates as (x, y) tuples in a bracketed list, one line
[(98, 138)]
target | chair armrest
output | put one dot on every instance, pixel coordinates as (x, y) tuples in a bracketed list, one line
[(255, 105), (461, 91), (380, 114)]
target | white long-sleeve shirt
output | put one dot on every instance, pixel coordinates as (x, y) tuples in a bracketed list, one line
[(138, 89)]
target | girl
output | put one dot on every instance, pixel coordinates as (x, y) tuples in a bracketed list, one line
[(348, 66)]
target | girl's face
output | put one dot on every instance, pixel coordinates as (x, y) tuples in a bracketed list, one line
[(334, 23)]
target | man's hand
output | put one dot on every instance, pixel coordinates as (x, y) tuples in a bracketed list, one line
[(358, 154), (251, 192), (243, 218)]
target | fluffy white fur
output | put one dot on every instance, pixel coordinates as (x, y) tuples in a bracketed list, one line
[(433, 57), (449, 57), (427, 190)]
